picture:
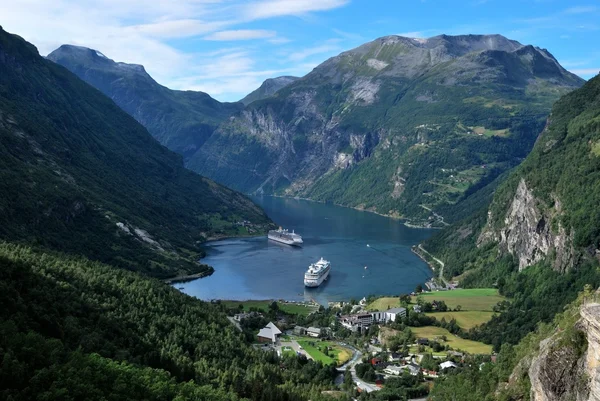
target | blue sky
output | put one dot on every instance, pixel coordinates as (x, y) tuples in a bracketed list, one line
[(228, 47)]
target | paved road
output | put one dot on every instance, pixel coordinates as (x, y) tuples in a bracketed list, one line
[(442, 265), (363, 385)]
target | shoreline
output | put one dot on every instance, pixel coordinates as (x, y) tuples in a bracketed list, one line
[(404, 221), (189, 277)]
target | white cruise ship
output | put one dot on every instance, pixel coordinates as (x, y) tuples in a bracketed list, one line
[(317, 273), (286, 237)]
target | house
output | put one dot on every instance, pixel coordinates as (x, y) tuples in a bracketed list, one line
[(269, 333), (423, 341), (394, 357), (448, 365), (389, 315), (417, 308), (358, 322), (361, 321), (394, 370), (241, 316), (299, 330), (313, 332)]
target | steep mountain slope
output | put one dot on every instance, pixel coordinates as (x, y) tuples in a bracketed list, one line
[(180, 120), (268, 88), (539, 240), (556, 362), (72, 329), (80, 175), (400, 126)]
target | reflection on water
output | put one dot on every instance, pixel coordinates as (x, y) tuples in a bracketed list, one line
[(257, 268)]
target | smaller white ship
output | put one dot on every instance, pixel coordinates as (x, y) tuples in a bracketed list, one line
[(285, 237), (317, 273)]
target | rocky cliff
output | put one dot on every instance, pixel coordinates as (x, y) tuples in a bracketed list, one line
[(568, 369), (399, 125), (527, 231)]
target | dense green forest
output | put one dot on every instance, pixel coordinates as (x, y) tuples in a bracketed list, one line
[(74, 329), (74, 167), (563, 173)]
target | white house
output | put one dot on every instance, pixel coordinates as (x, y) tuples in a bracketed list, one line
[(269, 333), (448, 365), (313, 332)]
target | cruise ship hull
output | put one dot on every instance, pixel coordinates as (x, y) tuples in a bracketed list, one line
[(312, 283), (287, 241)]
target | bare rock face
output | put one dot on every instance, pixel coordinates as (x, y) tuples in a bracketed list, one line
[(527, 232), (560, 373)]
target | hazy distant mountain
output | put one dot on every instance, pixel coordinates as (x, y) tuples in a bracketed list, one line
[(398, 125), (78, 174), (180, 120), (268, 88)]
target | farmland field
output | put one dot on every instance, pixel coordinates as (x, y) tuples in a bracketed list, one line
[(457, 343), (465, 319)]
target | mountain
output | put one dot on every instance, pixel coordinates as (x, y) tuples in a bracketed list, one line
[(78, 174), (556, 362), (180, 120), (268, 88), (400, 126), (72, 329), (539, 240)]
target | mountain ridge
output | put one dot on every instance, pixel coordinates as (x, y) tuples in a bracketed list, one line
[(180, 120), (380, 105), (82, 176), (268, 88)]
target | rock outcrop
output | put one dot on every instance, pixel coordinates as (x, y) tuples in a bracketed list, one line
[(527, 233), (561, 372)]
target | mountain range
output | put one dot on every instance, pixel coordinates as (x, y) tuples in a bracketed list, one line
[(80, 175), (400, 126), (180, 120)]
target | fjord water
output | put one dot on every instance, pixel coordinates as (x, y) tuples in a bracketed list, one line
[(258, 268)]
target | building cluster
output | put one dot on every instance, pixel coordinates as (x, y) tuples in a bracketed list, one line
[(362, 321)]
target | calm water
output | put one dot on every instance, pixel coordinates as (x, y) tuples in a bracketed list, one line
[(257, 268)]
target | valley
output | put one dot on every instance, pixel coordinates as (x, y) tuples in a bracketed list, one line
[(448, 185)]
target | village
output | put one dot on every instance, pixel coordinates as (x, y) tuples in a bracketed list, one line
[(410, 340)]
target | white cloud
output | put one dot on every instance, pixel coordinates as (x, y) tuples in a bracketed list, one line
[(586, 72), (165, 36), (241, 34), (580, 10), (412, 34), (278, 8), (328, 47)]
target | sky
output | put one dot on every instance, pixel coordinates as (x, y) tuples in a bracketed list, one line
[(228, 47)]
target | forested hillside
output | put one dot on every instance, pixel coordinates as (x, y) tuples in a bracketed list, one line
[(402, 126), (180, 120), (79, 175), (538, 241), (72, 329)]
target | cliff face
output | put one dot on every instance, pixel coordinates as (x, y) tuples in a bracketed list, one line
[(399, 125), (561, 372), (527, 231)]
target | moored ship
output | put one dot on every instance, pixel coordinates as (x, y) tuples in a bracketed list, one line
[(317, 273), (285, 237)]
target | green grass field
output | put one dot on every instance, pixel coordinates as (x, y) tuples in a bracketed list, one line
[(457, 343), (340, 354), (384, 303), (476, 305), (465, 319), (476, 299), (294, 309)]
